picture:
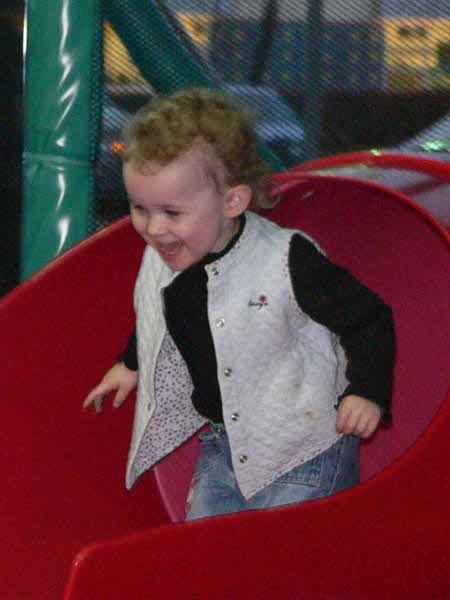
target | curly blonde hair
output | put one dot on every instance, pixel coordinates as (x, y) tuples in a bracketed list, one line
[(169, 126)]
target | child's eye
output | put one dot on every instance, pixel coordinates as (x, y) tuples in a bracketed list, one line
[(172, 213), (136, 208)]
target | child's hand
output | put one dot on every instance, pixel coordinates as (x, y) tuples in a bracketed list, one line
[(357, 416), (119, 378)]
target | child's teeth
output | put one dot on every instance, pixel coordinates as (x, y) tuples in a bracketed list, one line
[(170, 248)]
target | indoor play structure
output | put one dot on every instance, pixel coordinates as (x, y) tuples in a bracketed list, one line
[(70, 529), (65, 512), (421, 178)]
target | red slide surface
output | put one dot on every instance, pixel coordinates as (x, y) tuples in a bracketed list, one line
[(67, 522)]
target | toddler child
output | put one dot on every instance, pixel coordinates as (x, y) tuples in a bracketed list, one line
[(240, 324)]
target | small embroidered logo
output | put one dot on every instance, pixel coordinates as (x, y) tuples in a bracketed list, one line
[(262, 301)]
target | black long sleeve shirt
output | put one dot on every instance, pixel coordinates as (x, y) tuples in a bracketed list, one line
[(326, 292)]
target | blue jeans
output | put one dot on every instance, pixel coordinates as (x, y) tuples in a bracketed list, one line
[(214, 490)]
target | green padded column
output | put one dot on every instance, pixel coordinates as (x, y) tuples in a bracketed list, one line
[(154, 46), (160, 56), (62, 37)]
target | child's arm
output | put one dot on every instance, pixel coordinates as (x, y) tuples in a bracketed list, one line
[(357, 416), (119, 378), (123, 377), (331, 296)]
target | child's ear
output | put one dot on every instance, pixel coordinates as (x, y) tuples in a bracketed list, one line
[(237, 200)]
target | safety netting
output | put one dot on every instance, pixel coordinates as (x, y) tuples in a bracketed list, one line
[(320, 77)]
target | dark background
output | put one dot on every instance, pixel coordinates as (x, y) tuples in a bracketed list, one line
[(11, 18)]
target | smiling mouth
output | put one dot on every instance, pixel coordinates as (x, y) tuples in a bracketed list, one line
[(168, 249)]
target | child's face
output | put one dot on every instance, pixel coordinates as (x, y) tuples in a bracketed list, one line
[(178, 211)]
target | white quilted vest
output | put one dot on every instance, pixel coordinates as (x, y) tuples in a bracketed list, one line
[(279, 372)]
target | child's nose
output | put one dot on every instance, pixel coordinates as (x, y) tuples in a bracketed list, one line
[(156, 226)]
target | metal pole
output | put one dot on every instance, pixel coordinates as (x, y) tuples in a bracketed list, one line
[(314, 83)]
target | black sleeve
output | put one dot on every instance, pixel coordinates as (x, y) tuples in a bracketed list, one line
[(330, 295), (129, 355)]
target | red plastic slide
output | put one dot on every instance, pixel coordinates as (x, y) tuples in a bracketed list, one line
[(422, 177), (68, 527)]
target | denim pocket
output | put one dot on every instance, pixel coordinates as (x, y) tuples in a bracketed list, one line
[(308, 473)]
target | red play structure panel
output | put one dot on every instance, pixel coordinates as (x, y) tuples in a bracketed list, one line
[(67, 521)]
